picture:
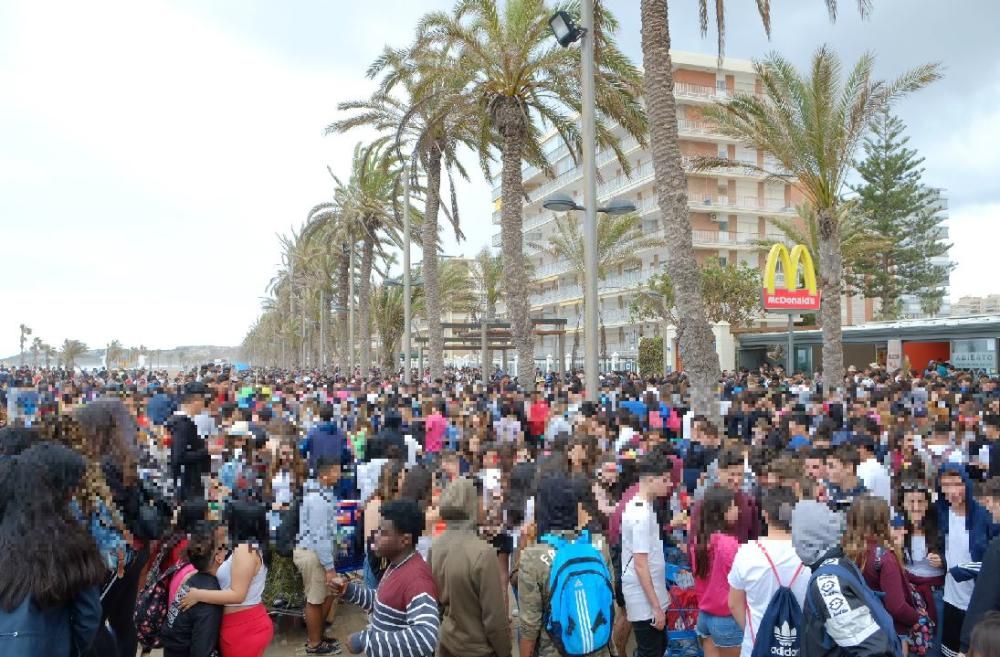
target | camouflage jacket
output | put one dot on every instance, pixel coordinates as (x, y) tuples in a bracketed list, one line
[(533, 591)]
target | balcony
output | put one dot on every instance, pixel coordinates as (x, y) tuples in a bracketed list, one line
[(552, 269), (744, 204)]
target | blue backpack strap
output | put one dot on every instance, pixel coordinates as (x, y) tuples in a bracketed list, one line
[(553, 540)]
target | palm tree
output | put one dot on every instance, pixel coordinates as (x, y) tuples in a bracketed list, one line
[(812, 124), (36, 349), (48, 351), (696, 341), (370, 203), (71, 351), (487, 273), (424, 123), (619, 241), (515, 83), (25, 332), (114, 354)]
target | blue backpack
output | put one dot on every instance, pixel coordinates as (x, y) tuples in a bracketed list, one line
[(781, 620), (580, 612), (869, 597)]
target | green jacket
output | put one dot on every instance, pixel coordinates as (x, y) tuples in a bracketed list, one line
[(533, 592)]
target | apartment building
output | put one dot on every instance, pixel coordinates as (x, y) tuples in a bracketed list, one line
[(965, 306), (728, 209)]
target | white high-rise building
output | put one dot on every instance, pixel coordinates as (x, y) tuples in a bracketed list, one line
[(728, 209)]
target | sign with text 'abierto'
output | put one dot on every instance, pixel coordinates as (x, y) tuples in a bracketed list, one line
[(789, 298)]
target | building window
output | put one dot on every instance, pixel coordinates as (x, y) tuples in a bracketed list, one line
[(723, 225), (722, 261)]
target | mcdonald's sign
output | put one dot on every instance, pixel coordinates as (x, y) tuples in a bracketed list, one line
[(790, 298)]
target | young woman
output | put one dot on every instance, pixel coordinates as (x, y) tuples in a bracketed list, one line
[(246, 628), (712, 551), (868, 542), (49, 598), (388, 490), (923, 544)]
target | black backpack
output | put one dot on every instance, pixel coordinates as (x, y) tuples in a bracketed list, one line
[(286, 536)]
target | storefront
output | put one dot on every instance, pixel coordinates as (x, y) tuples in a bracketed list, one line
[(966, 342)]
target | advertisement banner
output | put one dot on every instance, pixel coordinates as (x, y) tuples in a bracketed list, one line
[(790, 299), (894, 355)]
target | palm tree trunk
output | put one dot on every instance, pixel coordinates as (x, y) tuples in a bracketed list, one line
[(364, 303), (510, 122), (491, 315), (429, 268), (697, 342), (344, 283), (831, 268), (576, 344)]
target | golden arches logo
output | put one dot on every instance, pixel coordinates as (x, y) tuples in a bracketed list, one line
[(791, 298)]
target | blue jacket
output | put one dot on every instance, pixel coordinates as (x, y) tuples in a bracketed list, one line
[(978, 520), (67, 631)]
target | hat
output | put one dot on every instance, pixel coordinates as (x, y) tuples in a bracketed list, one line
[(815, 530), (852, 368), (194, 388)]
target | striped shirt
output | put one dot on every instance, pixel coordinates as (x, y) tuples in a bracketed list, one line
[(403, 611)]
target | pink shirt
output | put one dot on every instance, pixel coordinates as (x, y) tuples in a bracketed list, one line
[(713, 591), (435, 426), (177, 579)]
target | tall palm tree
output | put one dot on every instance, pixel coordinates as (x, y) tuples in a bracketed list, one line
[(423, 123), (71, 351), (25, 332), (696, 340), (812, 124), (487, 273), (516, 83), (619, 241), (370, 202), (36, 349), (114, 354)]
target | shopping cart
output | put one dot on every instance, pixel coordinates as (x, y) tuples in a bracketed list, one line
[(682, 614)]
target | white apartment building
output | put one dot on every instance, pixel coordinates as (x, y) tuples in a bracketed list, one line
[(728, 210), (966, 306)]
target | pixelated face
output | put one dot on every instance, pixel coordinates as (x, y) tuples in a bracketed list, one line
[(609, 472), (815, 468), (837, 471), (733, 514), (953, 488), (732, 477), (915, 504), (389, 542)]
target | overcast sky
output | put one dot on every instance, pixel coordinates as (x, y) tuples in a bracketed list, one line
[(149, 151)]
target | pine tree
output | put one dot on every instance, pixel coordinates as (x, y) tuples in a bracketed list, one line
[(897, 206)]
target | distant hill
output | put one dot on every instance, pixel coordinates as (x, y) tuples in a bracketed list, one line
[(186, 356)]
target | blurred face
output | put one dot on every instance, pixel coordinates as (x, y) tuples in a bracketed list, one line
[(837, 471), (658, 486), (732, 477), (815, 468), (389, 543), (609, 473), (577, 454), (491, 459), (915, 505), (954, 489)]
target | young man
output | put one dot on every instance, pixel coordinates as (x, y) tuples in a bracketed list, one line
[(643, 567), (873, 474), (986, 594), (189, 457), (557, 513), (732, 474), (467, 574), (323, 439), (404, 609), (966, 526), (195, 631), (313, 554), (836, 622), (844, 485)]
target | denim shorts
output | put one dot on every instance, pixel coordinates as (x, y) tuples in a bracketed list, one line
[(722, 630)]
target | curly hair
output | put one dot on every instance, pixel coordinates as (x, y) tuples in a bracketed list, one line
[(868, 521)]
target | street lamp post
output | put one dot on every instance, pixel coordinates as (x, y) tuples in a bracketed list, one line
[(350, 313)]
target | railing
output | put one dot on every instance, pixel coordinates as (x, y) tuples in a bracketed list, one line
[(723, 237), (553, 269), (639, 175), (697, 128), (748, 203)]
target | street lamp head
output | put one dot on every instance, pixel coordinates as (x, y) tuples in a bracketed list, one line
[(561, 203), (564, 29), (618, 206)]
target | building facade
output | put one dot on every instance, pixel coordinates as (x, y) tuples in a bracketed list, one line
[(729, 209), (966, 306)]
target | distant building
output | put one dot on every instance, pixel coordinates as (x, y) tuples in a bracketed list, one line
[(911, 306), (965, 306)]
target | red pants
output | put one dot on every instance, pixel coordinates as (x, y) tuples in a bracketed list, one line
[(246, 633)]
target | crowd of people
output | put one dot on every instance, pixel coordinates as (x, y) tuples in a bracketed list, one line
[(187, 511)]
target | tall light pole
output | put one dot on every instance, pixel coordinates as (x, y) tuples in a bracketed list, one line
[(350, 311), (407, 311)]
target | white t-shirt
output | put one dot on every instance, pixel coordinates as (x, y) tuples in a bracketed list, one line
[(752, 574), (641, 535), (876, 479), (956, 553)]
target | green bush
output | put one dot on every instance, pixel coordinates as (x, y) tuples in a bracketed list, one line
[(651, 356)]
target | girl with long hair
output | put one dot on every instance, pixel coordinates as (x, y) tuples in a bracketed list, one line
[(246, 628), (923, 543), (52, 570), (868, 543), (712, 550)]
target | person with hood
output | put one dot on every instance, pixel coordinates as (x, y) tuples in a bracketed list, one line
[(966, 525), (835, 607), (467, 574), (556, 512)]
